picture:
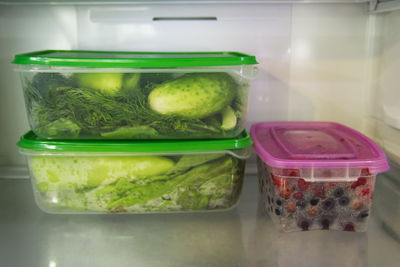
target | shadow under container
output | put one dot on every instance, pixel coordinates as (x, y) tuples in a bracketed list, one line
[(135, 176), (136, 95), (316, 175)]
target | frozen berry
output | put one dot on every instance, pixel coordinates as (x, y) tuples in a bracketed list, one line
[(344, 201), (363, 215), (312, 211), (291, 206), (278, 181), (365, 172), (349, 227), (278, 202), (338, 192), (359, 182), (291, 172), (325, 222), (301, 204), (365, 191), (286, 191), (302, 184), (328, 204), (304, 224), (277, 212), (319, 191), (332, 185), (314, 201), (298, 195), (357, 204)]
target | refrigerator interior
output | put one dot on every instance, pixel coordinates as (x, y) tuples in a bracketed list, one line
[(318, 61), (333, 60)]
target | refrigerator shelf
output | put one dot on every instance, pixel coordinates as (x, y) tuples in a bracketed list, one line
[(244, 236)]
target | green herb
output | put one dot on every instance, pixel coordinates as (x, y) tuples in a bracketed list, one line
[(122, 110)]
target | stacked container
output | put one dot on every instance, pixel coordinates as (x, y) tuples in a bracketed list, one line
[(316, 175), (103, 123)]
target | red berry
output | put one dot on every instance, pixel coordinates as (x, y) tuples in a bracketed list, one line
[(312, 211), (349, 227), (357, 204), (319, 191), (359, 182), (278, 181), (365, 172), (365, 191), (291, 206), (291, 172), (286, 191), (302, 184), (298, 195)]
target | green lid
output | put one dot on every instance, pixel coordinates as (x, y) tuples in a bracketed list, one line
[(113, 59), (33, 142)]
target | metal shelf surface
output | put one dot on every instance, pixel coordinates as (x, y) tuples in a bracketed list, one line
[(244, 236)]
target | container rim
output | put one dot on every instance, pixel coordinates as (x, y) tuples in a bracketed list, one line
[(376, 164), (30, 141), (126, 59)]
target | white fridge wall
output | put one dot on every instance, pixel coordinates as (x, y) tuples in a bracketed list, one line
[(317, 61), (388, 83), (24, 29)]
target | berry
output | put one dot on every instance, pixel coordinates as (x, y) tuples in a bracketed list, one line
[(357, 204), (319, 191), (365, 191), (286, 191), (278, 202), (276, 180), (325, 222), (277, 212), (312, 211), (301, 204), (365, 172), (291, 172), (328, 204), (314, 201), (304, 224), (344, 201), (298, 195), (332, 185), (302, 184), (349, 227), (359, 182), (338, 192), (363, 215), (291, 206)]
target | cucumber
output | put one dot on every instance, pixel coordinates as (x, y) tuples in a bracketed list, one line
[(108, 83), (228, 119), (82, 172), (193, 96)]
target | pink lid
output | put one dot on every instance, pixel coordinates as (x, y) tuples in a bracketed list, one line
[(316, 145)]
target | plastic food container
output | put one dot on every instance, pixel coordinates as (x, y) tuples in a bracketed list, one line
[(388, 198), (136, 95), (135, 176), (316, 175)]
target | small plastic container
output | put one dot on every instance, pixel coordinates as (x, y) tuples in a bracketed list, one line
[(136, 95), (388, 198), (316, 175), (135, 176)]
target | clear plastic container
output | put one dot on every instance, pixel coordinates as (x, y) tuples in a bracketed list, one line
[(316, 175), (136, 95), (135, 176), (388, 199)]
